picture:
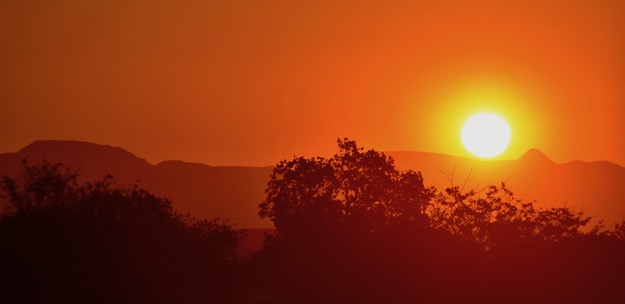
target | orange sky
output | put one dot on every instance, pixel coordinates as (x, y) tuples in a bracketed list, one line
[(253, 82)]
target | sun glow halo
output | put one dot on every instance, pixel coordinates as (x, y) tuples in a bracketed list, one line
[(485, 135)]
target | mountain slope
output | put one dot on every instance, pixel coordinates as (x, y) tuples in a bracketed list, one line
[(204, 191)]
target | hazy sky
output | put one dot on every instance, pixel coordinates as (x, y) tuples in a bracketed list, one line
[(253, 82)]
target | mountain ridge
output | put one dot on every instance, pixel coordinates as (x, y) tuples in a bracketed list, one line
[(234, 192), (49, 143), (201, 190)]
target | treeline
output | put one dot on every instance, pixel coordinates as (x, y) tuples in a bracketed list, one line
[(351, 228)]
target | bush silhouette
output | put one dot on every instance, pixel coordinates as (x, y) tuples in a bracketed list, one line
[(497, 217), (61, 240)]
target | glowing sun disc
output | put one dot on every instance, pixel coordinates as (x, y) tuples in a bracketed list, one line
[(485, 135)]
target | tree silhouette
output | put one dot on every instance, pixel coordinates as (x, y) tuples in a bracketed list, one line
[(61, 240), (354, 189), (497, 217), (350, 228), (353, 228)]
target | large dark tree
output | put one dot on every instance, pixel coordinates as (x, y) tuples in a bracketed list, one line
[(351, 228), (354, 189)]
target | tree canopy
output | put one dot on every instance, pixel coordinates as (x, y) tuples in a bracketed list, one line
[(495, 216), (356, 228), (354, 188)]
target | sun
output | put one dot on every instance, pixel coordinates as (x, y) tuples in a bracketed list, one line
[(485, 135)]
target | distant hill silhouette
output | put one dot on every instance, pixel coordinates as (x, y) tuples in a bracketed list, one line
[(204, 191), (234, 193)]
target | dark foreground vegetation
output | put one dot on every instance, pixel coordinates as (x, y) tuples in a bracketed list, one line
[(349, 229)]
